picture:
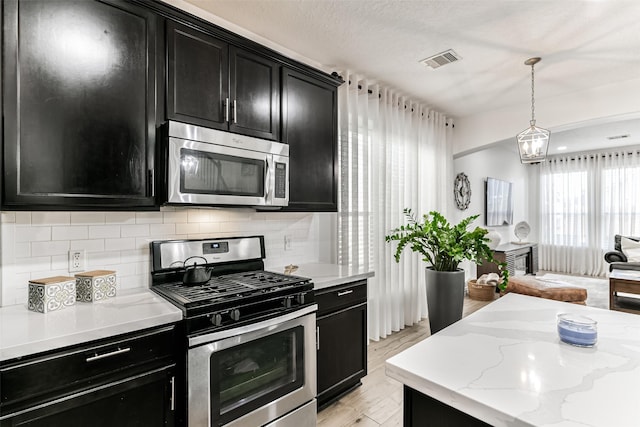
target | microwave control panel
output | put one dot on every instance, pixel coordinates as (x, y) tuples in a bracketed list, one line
[(281, 181)]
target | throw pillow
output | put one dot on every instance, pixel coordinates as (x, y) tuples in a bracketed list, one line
[(630, 248)]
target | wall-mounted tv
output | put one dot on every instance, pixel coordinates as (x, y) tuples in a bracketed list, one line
[(498, 206)]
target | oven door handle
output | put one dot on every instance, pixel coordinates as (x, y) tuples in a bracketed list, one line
[(265, 324)]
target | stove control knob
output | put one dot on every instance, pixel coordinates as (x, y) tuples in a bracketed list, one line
[(286, 302), (216, 319), (234, 314), (300, 298)]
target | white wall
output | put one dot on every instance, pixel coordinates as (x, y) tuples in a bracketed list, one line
[(502, 163), (36, 244)]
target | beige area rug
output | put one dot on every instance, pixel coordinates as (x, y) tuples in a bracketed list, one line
[(597, 287)]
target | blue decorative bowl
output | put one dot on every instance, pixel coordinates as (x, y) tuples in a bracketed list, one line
[(577, 330)]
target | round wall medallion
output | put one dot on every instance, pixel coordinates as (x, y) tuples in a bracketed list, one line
[(462, 191)]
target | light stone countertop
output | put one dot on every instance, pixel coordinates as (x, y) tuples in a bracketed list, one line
[(24, 332), (506, 366), (326, 275)]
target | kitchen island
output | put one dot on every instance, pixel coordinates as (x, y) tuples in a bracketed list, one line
[(504, 365)]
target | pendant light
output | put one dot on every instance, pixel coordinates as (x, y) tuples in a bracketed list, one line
[(533, 142)]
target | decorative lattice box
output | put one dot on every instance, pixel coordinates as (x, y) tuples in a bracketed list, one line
[(95, 285), (51, 293)]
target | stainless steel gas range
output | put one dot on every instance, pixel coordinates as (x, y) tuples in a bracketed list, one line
[(250, 347)]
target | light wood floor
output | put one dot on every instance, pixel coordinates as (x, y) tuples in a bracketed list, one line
[(378, 402)]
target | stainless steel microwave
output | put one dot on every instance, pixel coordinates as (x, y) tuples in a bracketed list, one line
[(211, 167)]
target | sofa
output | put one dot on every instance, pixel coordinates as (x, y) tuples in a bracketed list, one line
[(617, 259)]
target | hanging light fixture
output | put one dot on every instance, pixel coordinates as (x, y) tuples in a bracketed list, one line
[(533, 142)]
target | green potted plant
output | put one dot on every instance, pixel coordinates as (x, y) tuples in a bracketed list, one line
[(444, 247)]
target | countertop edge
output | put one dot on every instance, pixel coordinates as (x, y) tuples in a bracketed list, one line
[(342, 280), (163, 313), (452, 398)]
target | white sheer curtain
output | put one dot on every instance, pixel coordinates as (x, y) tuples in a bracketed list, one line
[(584, 201), (394, 154)]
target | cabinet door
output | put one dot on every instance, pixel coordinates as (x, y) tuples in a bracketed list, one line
[(140, 401), (342, 351), (198, 77), (309, 114), (79, 104), (254, 94)]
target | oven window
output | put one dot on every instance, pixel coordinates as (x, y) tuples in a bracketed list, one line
[(220, 174), (248, 376)]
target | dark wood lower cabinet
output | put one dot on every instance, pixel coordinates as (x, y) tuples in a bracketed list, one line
[(424, 411), (142, 400), (342, 340), (124, 381)]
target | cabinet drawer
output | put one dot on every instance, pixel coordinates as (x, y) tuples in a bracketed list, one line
[(341, 296), (75, 368)]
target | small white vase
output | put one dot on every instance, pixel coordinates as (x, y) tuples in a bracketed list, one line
[(494, 239)]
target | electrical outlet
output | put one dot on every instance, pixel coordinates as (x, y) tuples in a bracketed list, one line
[(76, 260), (287, 242)]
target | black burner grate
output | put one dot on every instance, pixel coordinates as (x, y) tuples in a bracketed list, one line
[(229, 286)]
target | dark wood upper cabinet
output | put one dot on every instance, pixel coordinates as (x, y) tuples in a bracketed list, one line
[(198, 76), (79, 104), (213, 84), (309, 126)]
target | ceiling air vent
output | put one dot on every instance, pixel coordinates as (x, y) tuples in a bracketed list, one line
[(617, 137), (443, 58)]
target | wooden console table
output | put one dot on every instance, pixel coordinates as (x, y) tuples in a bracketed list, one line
[(511, 253), (627, 282)]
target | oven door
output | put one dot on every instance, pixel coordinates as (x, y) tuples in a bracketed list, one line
[(204, 173), (254, 374)]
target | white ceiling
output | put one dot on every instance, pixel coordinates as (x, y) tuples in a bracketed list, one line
[(583, 44)]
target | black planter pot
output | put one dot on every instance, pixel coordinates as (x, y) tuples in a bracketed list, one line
[(445, 297)]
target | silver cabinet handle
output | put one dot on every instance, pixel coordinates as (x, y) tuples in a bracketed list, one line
[(343, 293), (226, 110), (235, 112), (113, 353), (317, 337), (173, 393)]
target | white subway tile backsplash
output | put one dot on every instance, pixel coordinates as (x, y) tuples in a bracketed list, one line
[(33, 264), (134, 230), (33, 234), (104, 231), (149, 217), (136, 255), (87, 217), (60, 262), (49, 248), (119, 244), (74, 232), (98, 260), (22, 250), (50, 218), (89, 245), (160, 230), (175, 217), (199, 215), (208, 227), (23, 218), (120, 218), (36, 244), (8, 217), (187, 228)]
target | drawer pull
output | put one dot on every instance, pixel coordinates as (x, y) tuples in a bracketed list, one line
[(113, 353), (343, 293)]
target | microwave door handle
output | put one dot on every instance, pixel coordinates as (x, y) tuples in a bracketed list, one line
[(267, 178)]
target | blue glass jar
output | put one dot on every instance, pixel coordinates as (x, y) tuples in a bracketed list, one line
[(577, 330)]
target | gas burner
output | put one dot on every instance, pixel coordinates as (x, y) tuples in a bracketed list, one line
[(239, 284)]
